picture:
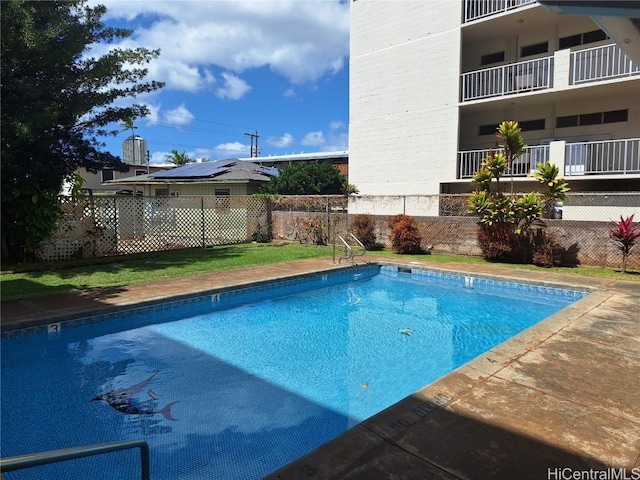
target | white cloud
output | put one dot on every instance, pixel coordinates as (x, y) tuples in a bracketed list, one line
[(333, 142), (178, 117), (300, 40), (154, 113), (158, 158), (234, 87), (224, 150), (285, 140), (336, 124), (313, 139), (336, 143), (290, 93)]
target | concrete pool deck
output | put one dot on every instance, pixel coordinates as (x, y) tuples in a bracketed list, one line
[(561, 397)]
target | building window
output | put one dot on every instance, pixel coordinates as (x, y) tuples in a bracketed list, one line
[(596, 118), (568, 121), (534, 49), (590, 119), (487, 129), (581, 39), (161, 192), (107, 175), (492, 58), (529, 125), (571, 41), (615, 116), (594, 36)]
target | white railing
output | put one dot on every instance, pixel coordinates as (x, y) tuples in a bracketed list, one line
[(603, 157), (508, 79), (474, 9), (470, 161), (600, 63)]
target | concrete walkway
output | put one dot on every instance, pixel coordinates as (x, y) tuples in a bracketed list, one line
[(561, 397)]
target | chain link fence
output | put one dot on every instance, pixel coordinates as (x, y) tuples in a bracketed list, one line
[(581, 224), (308, 218), (100, 226)]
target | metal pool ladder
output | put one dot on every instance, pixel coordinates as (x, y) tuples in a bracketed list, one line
[(54, 456), (349, 252)]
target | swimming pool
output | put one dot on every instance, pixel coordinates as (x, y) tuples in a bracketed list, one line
[(262, 374)]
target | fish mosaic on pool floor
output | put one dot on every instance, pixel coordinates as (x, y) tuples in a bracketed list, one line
[(122, 400)]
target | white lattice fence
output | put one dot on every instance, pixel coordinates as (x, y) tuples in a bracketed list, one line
[(101, 226)]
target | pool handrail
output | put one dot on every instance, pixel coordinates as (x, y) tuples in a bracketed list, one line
[(54, 456), (349, 252)]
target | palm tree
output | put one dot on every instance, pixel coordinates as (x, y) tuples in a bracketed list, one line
[(178, 158)]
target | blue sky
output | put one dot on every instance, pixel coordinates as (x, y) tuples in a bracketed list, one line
[(278, 67)]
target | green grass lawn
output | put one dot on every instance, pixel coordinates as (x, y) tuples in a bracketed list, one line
[(36, 280)]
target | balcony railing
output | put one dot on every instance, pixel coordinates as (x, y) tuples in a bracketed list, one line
[(474, 9), (508, 79), (603, 157), (601, 63), (470, 161)]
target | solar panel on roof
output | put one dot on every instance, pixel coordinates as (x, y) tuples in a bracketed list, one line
[(273, 171), (193, 170)]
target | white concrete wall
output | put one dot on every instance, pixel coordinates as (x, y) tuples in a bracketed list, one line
[(404, 90), (598, 213)]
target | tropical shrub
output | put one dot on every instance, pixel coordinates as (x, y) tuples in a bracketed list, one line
[(556, 188), (624, 236), (507, 221), (510, 137), (405, 237), (545, 251), (364, 228), (498, 242)]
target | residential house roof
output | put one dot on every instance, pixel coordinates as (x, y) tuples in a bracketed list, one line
[(230, 170)]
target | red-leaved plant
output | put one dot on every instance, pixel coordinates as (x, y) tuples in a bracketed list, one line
[(624, 236)]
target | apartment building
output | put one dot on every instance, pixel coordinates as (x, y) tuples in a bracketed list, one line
[(431, 80)]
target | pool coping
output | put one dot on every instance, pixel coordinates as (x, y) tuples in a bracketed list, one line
[(538, 392)]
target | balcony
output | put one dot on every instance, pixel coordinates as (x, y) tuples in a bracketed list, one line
[(562, 70), (508, 79), (601, 63), (470, 161), (608, 157), (475, 9)]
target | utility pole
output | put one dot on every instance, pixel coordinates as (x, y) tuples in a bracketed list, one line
[(253, 152)]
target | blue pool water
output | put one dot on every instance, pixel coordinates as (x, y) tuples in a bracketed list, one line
[(261, 375)]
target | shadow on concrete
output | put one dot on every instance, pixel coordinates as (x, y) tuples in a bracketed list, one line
[(56, 305), (439, 444)]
